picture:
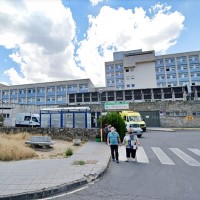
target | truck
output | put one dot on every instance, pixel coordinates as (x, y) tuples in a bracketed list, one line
[(27, 120), (133, 117)]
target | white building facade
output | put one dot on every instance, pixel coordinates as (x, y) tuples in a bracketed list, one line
[(139, 69)]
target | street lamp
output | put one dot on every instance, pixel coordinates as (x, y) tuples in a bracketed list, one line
[(101, 126)]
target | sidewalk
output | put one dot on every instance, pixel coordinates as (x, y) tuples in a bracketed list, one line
[(33, 179), (160, 129)]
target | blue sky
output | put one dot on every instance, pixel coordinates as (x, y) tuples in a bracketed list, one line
[(70, 39)]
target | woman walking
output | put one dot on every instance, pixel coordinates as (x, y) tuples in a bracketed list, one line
[(131, 142)]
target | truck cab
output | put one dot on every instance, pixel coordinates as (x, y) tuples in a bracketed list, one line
[(133, 117)]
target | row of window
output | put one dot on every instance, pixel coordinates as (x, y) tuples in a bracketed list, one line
[(43, 89), (182, 75), (182, 67), (178, 59), (38, 99), (112, 66), (181, 114), (173, 84)]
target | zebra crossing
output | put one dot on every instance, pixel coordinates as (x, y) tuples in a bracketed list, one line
[(163, 157)]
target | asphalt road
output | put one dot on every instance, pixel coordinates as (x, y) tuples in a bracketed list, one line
[(154, 180)]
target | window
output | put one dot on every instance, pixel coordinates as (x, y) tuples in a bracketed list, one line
[(31, 90), (51, 89), (34, 119), (61, 88), (119, 73), (176, 114), (128, 85), (132, 85), (110, 67), (119, 66), (5, 92), (6, 115), (72, 87), (110, 74), (193, 57), (41, 90), (162, 77), (110, 81), (22, 91), (13, 92), (161, 69), (159, 62), (83, 86), (196, 113), (181, 59), (31, 100), (27, 118), (127, 70), (169, 60), (40, 99)]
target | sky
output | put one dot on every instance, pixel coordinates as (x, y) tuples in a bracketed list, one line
[(58, 40)]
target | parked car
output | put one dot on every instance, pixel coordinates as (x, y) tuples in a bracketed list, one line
[(136, 128)]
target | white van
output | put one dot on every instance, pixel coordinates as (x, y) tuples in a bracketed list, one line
[(27, 120)]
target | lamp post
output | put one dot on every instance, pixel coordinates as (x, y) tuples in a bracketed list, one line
[(101, 126)]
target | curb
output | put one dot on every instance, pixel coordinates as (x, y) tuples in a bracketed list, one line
[(48, 192), (165, 130)]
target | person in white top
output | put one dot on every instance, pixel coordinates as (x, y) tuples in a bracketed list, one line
[(131, 142)]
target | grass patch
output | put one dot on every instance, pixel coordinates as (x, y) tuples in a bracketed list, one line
[(12, 147), (69, 152), (79, 162)]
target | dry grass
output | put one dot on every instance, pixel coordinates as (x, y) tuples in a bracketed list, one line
[(12, 147)]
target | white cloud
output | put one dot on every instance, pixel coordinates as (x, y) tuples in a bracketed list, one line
[(42, 35), (95, 2), (122, 30)]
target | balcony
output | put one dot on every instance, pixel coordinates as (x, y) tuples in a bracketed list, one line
[(119, 69), (194, 70), (120, 76), (109, 70), (194, 62), (195, 78), (160, 73)]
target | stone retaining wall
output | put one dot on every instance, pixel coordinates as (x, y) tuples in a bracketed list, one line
[(56, 133)]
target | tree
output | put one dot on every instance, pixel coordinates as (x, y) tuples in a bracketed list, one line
[(115, 120)]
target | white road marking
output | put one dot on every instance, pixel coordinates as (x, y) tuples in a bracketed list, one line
[(122, 153), (141, 155), (164, 159), (185, 157), (74, 191), (64, 194), (196, 151)]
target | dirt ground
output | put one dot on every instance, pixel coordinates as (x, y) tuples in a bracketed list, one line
[(57, 151)]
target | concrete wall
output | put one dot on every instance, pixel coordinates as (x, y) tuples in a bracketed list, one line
[(188, 107)]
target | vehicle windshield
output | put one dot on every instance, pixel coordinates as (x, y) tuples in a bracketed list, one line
[(134, 118), (35, 119)]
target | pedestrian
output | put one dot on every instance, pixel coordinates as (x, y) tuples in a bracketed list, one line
[(114, 141), (131, 142), (105, 133)]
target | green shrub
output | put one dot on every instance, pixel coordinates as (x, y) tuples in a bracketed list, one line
[(115, 120), (79, 162), (69, 152)]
